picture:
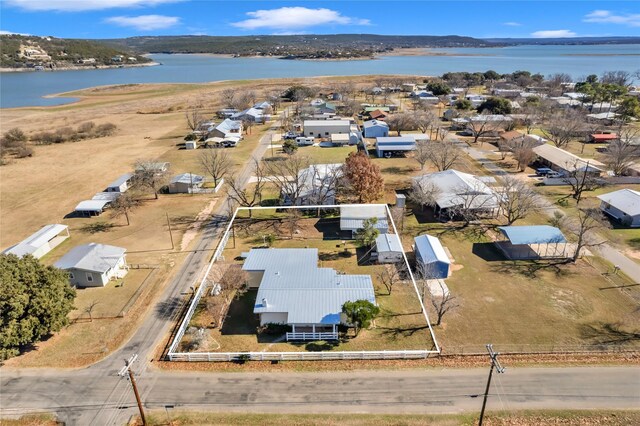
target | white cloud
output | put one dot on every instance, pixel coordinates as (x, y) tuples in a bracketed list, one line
[(4, 32), (607, 17), (81, 5), (512, 24), (287, 19), (144, 22), (553, 34)]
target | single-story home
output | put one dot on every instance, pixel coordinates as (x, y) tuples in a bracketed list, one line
[(388, 248), (121, 184), (185, 183), (352, 217), (41, 242), (565, 162), (325, 128), (454, 190), (375, 129), (623, 205), (93, 265), (292, 290), (534, 242), (432, 260), (254, 115), (227, 128), (319, 182), (386, 146)]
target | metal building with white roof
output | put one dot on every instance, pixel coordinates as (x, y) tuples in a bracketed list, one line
[(41, 242), (352, 217)]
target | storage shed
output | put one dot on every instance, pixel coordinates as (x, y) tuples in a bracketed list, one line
[(375, 129), (431, 258), (389, 248), (121, 184), (387, 146), (352, 217), (185, 183)]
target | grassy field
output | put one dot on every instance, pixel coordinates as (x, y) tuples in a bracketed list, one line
[(401, 325), (511, 418)]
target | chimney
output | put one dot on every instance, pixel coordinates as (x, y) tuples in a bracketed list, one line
[(264, 303)]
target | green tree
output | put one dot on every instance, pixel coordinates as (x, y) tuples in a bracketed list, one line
[(496, 106), (463, 104), (491, 75), (34, 302), (629, 108), (290, 146), (368, 234), (360, 313), (438, 88)]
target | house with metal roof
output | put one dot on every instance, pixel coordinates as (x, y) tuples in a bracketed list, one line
[(293, 290), (563, 161), (185, 183), (318, 185), (432, 260), (325, 128), (622, 205), (94, 265), (352, 217), (226, 128), (252, 114), (375, 129), (388, 249), (389, 145), (121, 184), (534, 242), (454, 190), (41, 242)]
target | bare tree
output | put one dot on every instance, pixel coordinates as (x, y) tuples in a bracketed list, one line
[(216, 162), (90, 308), (425, 120), (562, 127), (424, 193), (585, 225), (621, 78), (228, 97), (323, 183), (522, 151), (123, 205), (195, 118), (484, 125), (443, 303), (290, 175), (390, 275), (516, 199), (532, 116), (581, 176), (443, 155), (401, 121), (248, 197), (421, 154), (148, 174), (473, 202), (622, 152)]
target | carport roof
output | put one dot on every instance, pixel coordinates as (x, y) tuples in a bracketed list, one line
[(535, 234)]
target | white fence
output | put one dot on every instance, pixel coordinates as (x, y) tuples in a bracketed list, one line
[(298, 356)]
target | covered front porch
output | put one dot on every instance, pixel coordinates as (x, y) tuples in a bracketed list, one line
[(307, 332)]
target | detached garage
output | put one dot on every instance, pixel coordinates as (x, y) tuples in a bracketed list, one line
[(431, 258), (388, 146), (388, 248)]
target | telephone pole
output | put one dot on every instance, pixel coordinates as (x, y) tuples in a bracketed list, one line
[(494, 364), (127, 370), (170, 233)]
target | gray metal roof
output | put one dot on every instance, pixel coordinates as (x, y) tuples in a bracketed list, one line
[(91, 205), (453, 188), (228, 125), (327, 123), (626, 200), (395, 139), (122, 179), (429, 249), (353, 217), (388, 243), (375, 123), (36, 240), (106, 196), (91, 257), (292, 283), (534, 234), (188, 178)]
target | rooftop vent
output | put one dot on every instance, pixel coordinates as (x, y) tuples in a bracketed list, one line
[(264, 303)]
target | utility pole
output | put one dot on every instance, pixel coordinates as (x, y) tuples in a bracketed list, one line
[(170, 234), (494, 364), (127, 370)]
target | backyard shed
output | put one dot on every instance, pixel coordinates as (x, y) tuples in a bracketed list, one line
[(185, 183), (431, 258), (375, 129), (534, 242), (389, 249), (41, 242), (93, 265), (121, 184), (352, 217)]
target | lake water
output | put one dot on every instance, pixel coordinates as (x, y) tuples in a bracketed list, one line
[(28, 89)]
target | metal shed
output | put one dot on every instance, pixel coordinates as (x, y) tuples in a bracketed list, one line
[(431, 258)]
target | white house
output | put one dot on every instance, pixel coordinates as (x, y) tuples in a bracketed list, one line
[(388, 248), (185, 183), (622, 205), (375, 128), (292, 290), (255, 115), (93, 265), (226, 128), (325, 128), (454, 190), (352, 217), (317, 185), (41, 242), (121, 184)]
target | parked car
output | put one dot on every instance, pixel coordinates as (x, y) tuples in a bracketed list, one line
[(543, 171), (290, 135), (555, 175)]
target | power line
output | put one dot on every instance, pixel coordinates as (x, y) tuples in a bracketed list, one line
[(127, 370), (494, 364)]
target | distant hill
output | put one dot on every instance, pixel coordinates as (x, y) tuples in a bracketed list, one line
[(20, 51), (301, 46), (565, 41)]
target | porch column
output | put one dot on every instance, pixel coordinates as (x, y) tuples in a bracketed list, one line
[(313, 328), (333, 328), (293, 328)]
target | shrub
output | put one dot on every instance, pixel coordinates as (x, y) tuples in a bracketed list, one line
[(106, 129), (24, 151), (86, 127), (13, 138)]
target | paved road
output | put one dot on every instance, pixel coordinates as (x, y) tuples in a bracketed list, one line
[(606, 251), (404, 391)]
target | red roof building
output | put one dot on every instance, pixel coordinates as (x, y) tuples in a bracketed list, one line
[(602, 137)]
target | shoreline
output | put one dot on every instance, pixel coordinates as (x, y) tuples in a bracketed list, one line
[(78, 68)]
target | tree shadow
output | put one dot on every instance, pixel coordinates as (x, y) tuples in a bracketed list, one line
[(335, 255), (321, 346), (94, 228), (609, 334), (397, 170), (425, 215), (330, 229), (530, 268), (396, 332), (167, 309), (240, 319)]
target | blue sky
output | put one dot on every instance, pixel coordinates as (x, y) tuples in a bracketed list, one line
[(125, 18)]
